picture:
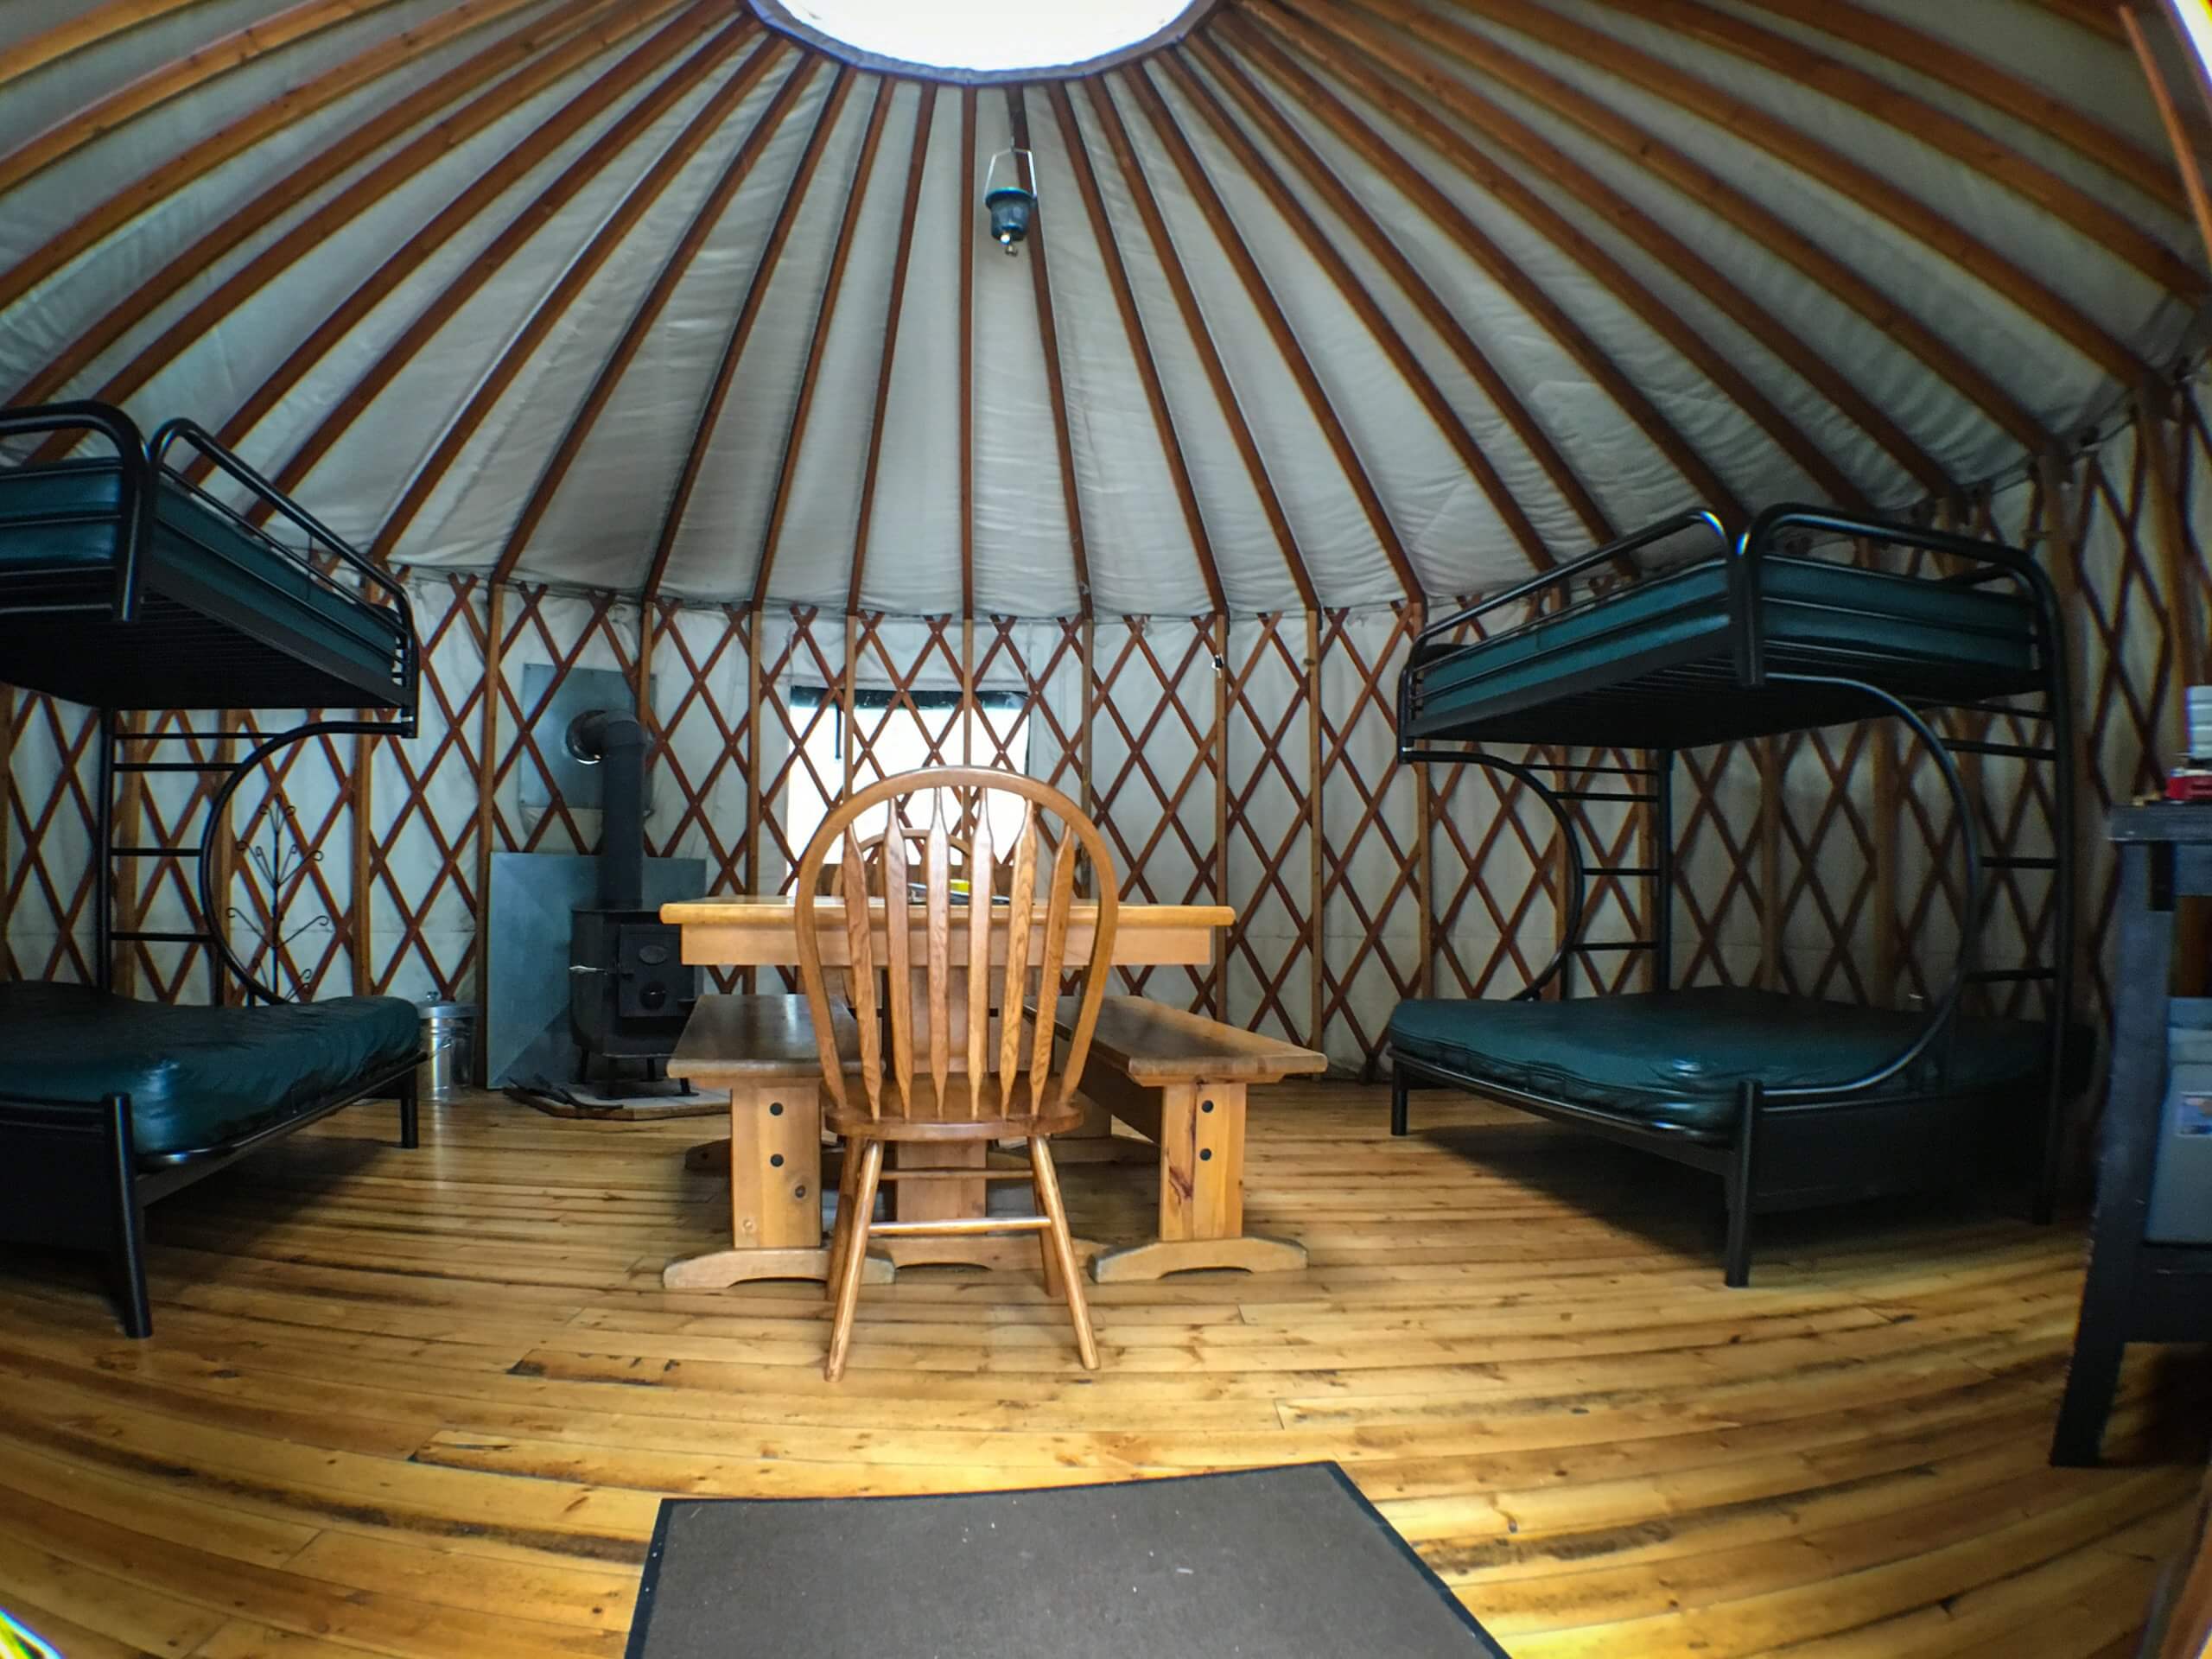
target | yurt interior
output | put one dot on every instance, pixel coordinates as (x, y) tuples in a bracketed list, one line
[(890, 826)]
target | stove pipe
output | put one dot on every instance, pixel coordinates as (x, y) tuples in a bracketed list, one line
[(617, 742)]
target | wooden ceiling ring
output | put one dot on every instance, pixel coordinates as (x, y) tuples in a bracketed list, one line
[(966, 352), (573, 280), (1311, 94), (539, 57), (748, 312), (1765, 228), (1815, 161), (1924, 54), (1932, 125), (1209, 351), (150, 90), (893, 309), (1298, 362), (833, 287), (671, 275), (289, 107), (1406, 361), (1048, 335), (1117, 276), (1586, 252), (93, 28), (641, 66)]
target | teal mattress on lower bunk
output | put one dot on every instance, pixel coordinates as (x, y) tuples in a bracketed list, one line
[(198, 1077), (201, 571), (1673, 1059)]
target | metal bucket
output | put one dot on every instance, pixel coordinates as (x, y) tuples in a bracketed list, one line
[(449, 1041)]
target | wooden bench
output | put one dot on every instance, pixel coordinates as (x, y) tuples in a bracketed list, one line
[(1179, 1080), (762, 1049)]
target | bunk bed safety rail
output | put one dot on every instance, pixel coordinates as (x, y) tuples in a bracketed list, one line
[(1990, 562), (204, 443), (134, 517)]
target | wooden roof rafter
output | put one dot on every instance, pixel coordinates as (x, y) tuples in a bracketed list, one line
[(538, 58), (1316, 24), (1385, 334), (195, 162), (672, 272), (832, 288), (93, 28), (1209, 359), (1933, 125), (1299, 364), (710, 44), (1704, 483), (740, 332), (1048, 334), (1385, 252), (554, 304), (1117, 276), (1989, 83), (173, 80), (1764, 227), (966, 353), (1848, 178), (893, 312)]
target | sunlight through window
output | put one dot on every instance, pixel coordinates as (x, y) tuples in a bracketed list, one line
[(979, 36)]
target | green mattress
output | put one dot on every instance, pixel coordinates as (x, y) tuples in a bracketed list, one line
[(198, 1077), (1673, 1059), (224, 595), (1652, 666)]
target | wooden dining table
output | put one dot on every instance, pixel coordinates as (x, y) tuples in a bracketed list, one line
[(771, 1237)]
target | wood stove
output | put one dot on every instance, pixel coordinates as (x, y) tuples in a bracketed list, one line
[(629, 992)]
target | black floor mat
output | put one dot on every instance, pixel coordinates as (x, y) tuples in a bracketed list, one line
[(1266, 1564)]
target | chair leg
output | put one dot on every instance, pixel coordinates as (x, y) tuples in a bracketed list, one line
[(854, 1258), (1054, 1287), (1048, 1190), (840, 1229)]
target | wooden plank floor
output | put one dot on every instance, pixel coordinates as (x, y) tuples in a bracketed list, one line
[(424, 1404)]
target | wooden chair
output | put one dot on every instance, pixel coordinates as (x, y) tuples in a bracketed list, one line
[(916, 988)]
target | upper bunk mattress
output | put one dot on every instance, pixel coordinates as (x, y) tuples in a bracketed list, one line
[(198, 1077), (1674, 1059), (1653, 665), (222, 607)]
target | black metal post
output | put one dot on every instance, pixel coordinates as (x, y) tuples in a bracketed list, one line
[(129, 1246), (1400, 1089), (1662, 863), (1742, 1182), (104, 859)]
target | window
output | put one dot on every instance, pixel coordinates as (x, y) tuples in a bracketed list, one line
[(979, 39), (899, 729)]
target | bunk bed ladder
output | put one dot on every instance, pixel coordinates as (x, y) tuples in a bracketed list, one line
[(118, 858), (1650, 787)]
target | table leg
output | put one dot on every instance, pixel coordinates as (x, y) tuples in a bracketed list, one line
[(1201, 1194), (775, 1193), (1095, 1142)]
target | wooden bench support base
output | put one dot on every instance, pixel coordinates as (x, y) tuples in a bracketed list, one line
[(1248, 1252), (719, 1269)]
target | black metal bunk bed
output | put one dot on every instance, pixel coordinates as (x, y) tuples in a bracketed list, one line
[(1791, 1100), (126, 585)]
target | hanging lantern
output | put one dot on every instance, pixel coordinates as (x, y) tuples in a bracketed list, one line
[(1010, 197)]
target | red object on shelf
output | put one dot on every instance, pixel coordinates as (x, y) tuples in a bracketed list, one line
[(2188, 785)]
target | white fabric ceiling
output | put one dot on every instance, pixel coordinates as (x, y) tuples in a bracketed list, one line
[(1483, 281)]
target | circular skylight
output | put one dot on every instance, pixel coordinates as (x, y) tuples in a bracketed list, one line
[(983, 40)]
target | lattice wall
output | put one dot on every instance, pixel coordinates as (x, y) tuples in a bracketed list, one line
[(1248, 761)]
